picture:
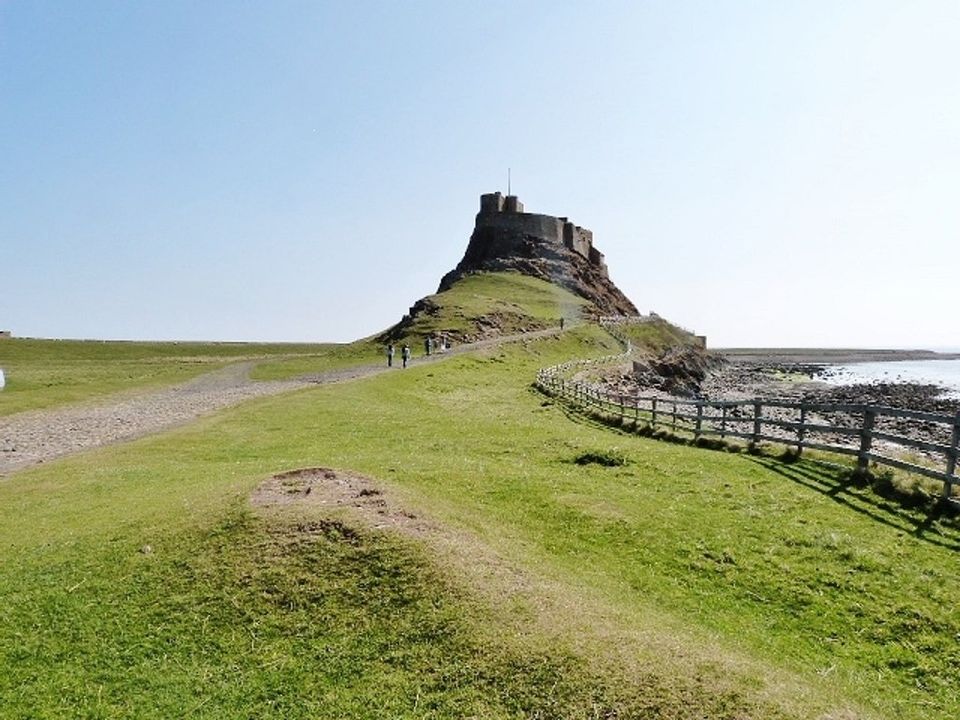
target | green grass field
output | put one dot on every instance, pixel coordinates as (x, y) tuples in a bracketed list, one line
[(139, 581), (46, 373), (319, 360)]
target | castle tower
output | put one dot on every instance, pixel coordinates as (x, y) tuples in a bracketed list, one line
[(497, 203), (512, 204), (491, 203)]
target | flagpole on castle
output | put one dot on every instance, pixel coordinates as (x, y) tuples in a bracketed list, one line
[(508, 182)]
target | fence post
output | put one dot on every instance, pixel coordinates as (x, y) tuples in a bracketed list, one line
[(757, 411), (623, 409), (866, 439), (696, 433), (674, 425), (653, 413), (636, 409), (723, 422), (952, 458), (802, 430)]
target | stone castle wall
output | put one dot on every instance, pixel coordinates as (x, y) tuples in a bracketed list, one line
[(578, 239), (506, 213), (542, 226)]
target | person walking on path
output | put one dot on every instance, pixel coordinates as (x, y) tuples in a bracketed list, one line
[(390, 352), (561, 323), (406, 355), (428, 345)]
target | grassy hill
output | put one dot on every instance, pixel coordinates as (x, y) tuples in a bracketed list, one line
[(139, 580), (656, 335), (490, 303), (480, 305)]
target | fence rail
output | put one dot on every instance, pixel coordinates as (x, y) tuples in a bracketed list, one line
[(870, 432)]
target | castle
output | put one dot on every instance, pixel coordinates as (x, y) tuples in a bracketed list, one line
[(507, 239), (505, 213)]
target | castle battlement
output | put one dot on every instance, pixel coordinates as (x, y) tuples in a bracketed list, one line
[(506, 213), (498, 203)]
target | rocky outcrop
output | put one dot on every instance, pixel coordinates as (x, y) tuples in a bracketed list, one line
[(542, 246), (679, 370), (493, 249), (505, 238)]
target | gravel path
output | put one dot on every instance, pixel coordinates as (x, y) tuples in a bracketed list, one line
[(39, 436)]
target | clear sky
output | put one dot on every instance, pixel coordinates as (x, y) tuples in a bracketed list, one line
[(767, 173)]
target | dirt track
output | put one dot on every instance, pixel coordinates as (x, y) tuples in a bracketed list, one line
[(39, 436)]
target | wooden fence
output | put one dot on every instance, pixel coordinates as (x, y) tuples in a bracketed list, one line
[(883, 435)]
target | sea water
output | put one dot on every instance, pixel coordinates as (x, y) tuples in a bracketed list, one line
[(945, 373)]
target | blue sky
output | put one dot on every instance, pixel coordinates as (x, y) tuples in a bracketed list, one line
[(766, 173)]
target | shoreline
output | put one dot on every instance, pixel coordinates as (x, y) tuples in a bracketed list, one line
[(825, 356), (805, 372), (788, 374)]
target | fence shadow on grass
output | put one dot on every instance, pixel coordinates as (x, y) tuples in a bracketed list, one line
[(579, 417), (840, 486), (835, 482)]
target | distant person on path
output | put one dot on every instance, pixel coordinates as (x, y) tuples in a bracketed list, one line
[(406, 355), (561, 323), (428, 345), (3, 380), (390, 352)]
